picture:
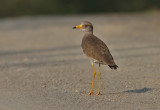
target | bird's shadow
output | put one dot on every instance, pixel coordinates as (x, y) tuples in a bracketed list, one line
[(143, 90), (139, 91)]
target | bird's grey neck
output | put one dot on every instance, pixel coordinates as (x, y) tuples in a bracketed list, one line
[(88, 32)]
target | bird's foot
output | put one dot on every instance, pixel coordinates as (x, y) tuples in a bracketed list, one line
[(98, 94), (90, 93)]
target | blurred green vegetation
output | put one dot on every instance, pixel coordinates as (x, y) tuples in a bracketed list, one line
[(40, 7)]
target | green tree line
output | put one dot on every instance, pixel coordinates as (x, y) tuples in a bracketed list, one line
[(39, 7)]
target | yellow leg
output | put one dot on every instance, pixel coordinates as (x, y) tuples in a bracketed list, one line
[(94, 73), (99, 73)]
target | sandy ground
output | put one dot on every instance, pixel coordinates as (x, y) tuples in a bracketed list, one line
[(42, 66)]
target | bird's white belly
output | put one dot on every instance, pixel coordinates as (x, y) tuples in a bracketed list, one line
[(96, 61)]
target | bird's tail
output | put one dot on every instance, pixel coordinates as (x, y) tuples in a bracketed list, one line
[(113, 66)]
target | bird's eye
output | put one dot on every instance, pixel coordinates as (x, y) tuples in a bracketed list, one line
[(85, 25)]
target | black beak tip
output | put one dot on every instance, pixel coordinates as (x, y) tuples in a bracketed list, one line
[(74, 28)]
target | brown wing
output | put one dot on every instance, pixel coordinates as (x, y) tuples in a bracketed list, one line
[(95, 48)]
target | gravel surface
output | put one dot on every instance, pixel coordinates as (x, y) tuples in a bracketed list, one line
[(42, 66)]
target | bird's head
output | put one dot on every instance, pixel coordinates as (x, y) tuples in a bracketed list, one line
[(85, 26)]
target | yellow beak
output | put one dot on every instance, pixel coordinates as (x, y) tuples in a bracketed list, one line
[(77, 27)]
